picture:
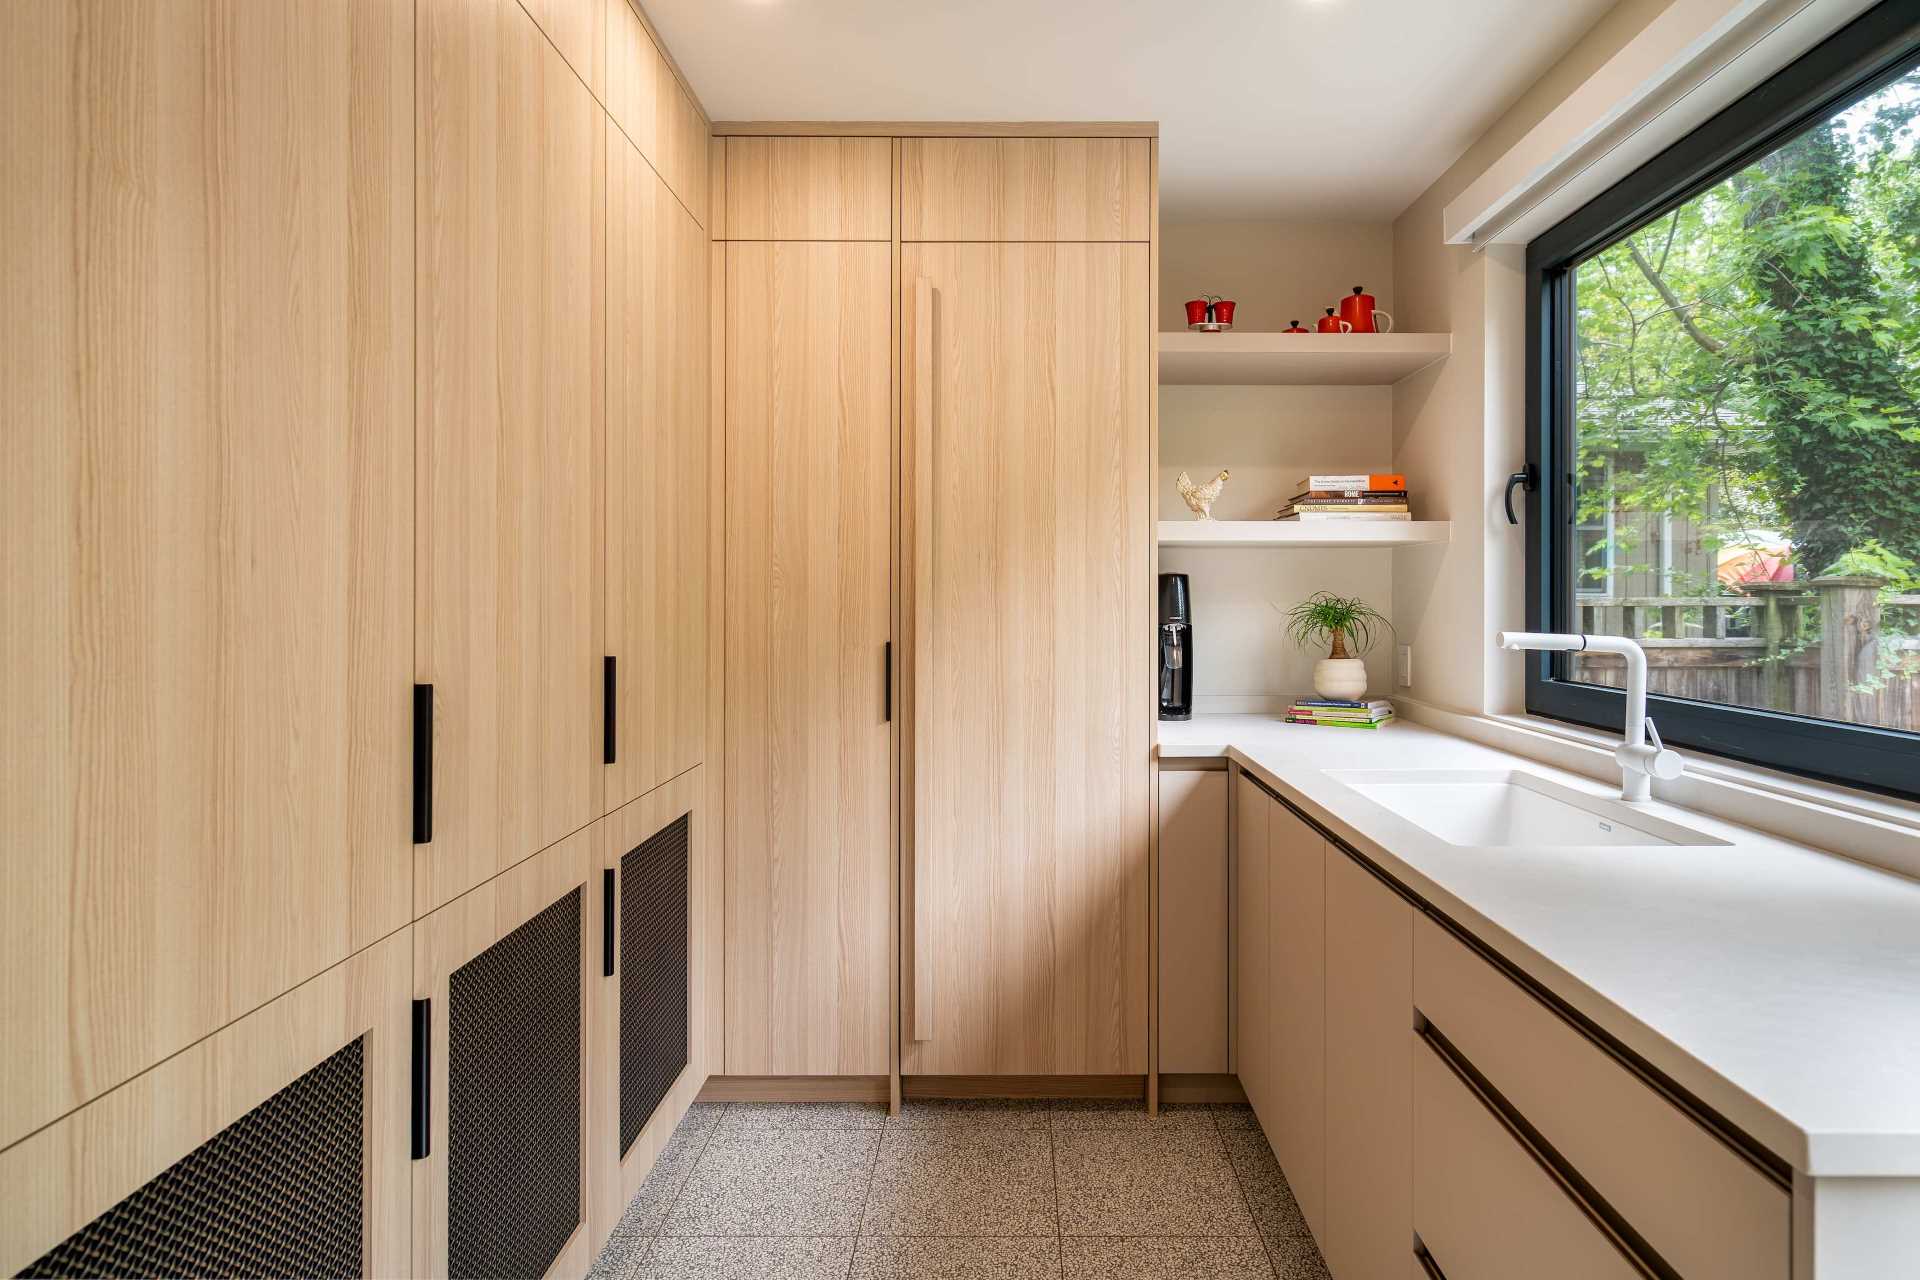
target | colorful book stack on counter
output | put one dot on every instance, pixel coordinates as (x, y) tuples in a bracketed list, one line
[(1349, 497), (1369, 714)]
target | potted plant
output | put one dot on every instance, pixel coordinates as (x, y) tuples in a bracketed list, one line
[(1338, 622)]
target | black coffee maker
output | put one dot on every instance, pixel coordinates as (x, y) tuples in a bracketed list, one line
[(1176, 648)]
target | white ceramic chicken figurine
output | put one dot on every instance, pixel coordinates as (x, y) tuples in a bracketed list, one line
[(1200, 498)]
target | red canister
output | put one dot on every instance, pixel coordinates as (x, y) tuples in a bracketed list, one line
[(1197, 311), (1359, 309), (1330, 323), (1222, 311)]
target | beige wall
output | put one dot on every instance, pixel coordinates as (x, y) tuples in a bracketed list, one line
[(1275, 271), (1459, 427)]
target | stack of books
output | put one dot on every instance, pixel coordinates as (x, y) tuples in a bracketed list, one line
[(1367, 714), (1349, 497)]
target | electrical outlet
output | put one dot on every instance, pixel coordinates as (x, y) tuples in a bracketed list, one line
[(1406, 666)]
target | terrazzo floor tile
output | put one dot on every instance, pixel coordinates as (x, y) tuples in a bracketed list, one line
[(773, 1182), (804, 1115), (1274, 1209), (747, 1258), (956, 1258), (972, 1113), (702, 1116), (1230, 1116), (1297, 1259), (648, 1208), (1114, 1182), (1101, 1113), (980, 1182), (1165, 1258)]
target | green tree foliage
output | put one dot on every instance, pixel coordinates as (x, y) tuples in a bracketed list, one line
[(1751, 360)]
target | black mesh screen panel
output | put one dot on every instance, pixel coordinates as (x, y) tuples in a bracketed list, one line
[(653, 974), (513, 1099), (275, 1193)]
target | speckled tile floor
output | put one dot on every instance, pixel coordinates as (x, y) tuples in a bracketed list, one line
[(963, 1191)]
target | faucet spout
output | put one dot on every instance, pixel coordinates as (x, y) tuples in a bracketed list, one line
[(1640, 763)]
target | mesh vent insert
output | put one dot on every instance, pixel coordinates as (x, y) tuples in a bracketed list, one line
[(275, 1193), (513, 1099), (653, 974)]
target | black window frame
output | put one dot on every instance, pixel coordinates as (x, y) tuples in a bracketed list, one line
[(1877, 47)]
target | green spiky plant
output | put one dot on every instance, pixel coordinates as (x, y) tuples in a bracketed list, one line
[(1325, 618)]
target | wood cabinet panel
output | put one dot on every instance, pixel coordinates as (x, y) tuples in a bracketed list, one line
[(659, 477), (1025, 189), (1481, 1203), (809, 189), (1298, 1131), (58, 1180), (1026, 505), (509, 408), (1193, 921), (651, 107), (809, 564), (205, 385), (1253, 939), (1369, 1065), (578, 29)]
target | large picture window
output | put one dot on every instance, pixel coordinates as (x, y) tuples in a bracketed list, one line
[(1725, 381)]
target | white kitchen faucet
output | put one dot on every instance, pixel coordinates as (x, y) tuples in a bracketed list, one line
[(1640, 761)]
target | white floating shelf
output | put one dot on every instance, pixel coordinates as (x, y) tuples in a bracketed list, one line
[(1303, 533), (1296, 359)]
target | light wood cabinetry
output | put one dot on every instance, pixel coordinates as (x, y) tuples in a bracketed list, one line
[(1297, 897), (647, 102), (659, 476), (1369, 1108), (1482, 1206), (809, 781), (578, 29), (1194, 937), (1026, 394), (509, 406), (206, 377), (57, 1181), (809, 189), (1253, 811), (1025, 189)]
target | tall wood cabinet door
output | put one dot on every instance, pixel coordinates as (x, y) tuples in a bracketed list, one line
[(1370, 1047), (206, 380), (509, 404), (808, 775), (1298, 909), (1025, 397), (1253, 932), (659, 478)]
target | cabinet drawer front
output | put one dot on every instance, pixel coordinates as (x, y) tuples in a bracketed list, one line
[(1482, 1205), (1025, 189), (1702, 1206)]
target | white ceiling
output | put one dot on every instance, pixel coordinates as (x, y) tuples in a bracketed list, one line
[(1267, 108)]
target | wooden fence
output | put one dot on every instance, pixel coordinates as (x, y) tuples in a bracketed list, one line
[(1817, 649)]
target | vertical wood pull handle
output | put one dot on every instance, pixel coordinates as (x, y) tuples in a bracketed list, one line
[(923, 374)]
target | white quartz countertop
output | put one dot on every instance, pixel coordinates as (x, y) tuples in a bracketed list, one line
[(1779, 984)]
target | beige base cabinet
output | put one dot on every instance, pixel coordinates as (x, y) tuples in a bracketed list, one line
[(1298, 1088), (1253, 811), (1194, 937)]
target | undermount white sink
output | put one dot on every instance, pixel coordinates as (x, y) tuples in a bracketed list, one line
[(1510, 808)]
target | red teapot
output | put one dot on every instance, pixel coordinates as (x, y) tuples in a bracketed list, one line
[(1331, 323), (1360, 311)]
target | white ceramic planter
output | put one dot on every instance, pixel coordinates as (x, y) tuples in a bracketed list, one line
[(1340, 678)]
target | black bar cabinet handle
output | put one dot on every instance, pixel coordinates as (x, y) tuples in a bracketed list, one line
[(422, 1077), (608, 701), (606, 922), (423, 764), (887, 659)]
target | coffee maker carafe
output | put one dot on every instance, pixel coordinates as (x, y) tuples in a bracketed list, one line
[(1176, 648)]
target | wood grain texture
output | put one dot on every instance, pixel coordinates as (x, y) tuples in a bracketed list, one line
[(69, 1173), (809, 189), (1298, 1129), (1253, 940), (1369, 1065), (206, 257), (650, 105), (1031, 772), (794, 1089), (938, 128), (509, 407), (710, 942), (1025, 189), (1193, 921), (660, 477), (809, 818), (578, 29), (448, 939), (614, 1178)]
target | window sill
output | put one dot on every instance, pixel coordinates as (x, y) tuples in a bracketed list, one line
[(1865, 827)]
